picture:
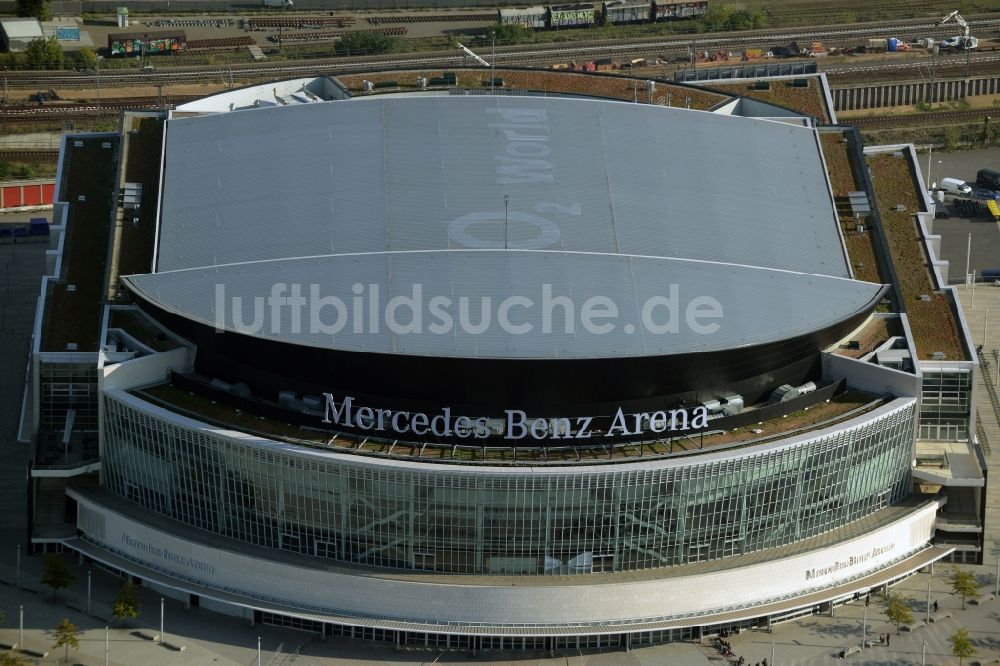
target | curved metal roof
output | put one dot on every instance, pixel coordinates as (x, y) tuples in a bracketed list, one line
[(508, 303), (495, 197)]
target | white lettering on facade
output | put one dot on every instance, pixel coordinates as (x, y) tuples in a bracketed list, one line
[(852, 561), (517, 424), (159, 551)]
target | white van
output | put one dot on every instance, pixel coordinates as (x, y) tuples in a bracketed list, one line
[(955, 186)]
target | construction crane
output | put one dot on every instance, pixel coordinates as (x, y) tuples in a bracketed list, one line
[(482, 62), (468, 52), (966, 41)]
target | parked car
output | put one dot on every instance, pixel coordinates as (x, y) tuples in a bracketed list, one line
[(955, 186), (983, 193), (989, 179)]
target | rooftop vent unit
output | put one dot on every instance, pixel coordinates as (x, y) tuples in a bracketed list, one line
[(783, 393), (422, 81), (712, 406), (220, 385), (924, 297), (733, 404), (786, 392), (71, 346), (367, 85), (71, 288), (900, 208), (938, 356)]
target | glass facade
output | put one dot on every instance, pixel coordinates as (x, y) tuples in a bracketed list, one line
[(945, 404), (561, 520), (65, 386)]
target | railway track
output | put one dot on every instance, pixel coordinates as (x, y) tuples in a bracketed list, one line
[(42, 112), (919, 119), (529, 54), (28, 155)]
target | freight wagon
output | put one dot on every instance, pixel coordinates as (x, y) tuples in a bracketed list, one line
[(613, 12), (625, 11), (572, 16), (152, 43)]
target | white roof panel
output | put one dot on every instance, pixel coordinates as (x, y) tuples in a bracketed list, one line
[(495, 196)]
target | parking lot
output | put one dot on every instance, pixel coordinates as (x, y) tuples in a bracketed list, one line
[(955, 231)]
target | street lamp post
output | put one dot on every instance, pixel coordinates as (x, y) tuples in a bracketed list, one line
[(923, 655), (986, 326), (258, 651), (930, 153), (20, 627), (99, 59), (88, 593), (161, 619), (107, 645), (968, 256), (864, 627), (928, 603)]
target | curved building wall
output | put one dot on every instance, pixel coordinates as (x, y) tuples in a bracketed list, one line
[(572, 519), (542, 387)]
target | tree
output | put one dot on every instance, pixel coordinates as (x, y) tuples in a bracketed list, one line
[(44, 53), (66, 636), (87, 57), (38, 9), (961, 645), (13, 659), (951, 137), (745, 19), (56, 574), (360, 41), (510, 33), (126, 604), (897, 611), (717, 17), (964, 583)]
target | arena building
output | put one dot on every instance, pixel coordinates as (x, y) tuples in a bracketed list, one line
[(494, 371)]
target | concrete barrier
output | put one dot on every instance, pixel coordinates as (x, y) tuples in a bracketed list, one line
[(847, 652), (912, 627), (937, 617)]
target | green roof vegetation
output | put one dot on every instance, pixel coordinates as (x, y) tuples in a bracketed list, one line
[(931, 321), (74, 305)]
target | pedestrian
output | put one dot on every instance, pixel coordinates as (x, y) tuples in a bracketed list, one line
[(935, 606), (887, 640), (881, 639)]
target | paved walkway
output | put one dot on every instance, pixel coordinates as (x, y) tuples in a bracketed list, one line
[(209, 638), (983, 317)]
